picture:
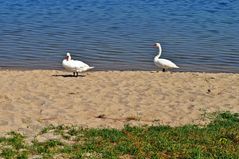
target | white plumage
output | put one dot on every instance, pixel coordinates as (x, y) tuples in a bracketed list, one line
[(163, 63), (74, 66)]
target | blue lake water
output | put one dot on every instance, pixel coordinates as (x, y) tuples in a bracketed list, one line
[(197, 35)]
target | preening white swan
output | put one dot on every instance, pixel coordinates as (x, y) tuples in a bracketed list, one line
[(74, 66), (163, 63)]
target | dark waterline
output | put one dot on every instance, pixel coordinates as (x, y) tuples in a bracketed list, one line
[(119, 34)]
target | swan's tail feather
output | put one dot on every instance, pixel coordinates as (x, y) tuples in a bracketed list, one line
[(91, 67)]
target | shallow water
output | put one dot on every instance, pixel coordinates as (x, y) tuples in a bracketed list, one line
[(119, 34)]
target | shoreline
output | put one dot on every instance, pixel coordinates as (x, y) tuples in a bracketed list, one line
[(32, 99), (114, 70)]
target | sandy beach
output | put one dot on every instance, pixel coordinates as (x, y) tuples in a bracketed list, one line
[(32, 99)]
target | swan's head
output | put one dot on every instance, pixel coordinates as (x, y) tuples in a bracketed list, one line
[(157, 45), (68, 56)]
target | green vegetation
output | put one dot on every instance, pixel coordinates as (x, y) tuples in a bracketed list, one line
[(219, 139)]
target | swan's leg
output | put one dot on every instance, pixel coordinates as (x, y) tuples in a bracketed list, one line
[(76, 74), (73, 73), (164, 70)]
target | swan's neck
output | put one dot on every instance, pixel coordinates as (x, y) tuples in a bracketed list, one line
[(68, 58), (159, 53)]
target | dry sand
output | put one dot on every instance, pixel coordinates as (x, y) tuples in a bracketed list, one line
[(30, 100)]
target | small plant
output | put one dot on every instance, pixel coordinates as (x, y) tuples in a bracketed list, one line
[(218, 139), (13, 146)]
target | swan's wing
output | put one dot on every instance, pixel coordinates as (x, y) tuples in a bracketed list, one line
[(78, 64), (75, 66), (167, 63)]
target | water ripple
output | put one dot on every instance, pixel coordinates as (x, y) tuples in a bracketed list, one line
[(119, 35)]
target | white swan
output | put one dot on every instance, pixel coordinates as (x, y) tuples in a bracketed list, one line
[(163, 63), (74, 66)]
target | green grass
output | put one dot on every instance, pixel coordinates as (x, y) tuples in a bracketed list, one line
[(219, 139)]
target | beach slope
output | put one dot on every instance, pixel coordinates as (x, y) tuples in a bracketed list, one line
[(30, 100)]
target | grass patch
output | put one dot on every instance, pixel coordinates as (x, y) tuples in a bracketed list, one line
[(219, 139)]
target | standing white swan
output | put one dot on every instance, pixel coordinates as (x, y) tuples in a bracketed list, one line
[(74, 66), (163, 63)]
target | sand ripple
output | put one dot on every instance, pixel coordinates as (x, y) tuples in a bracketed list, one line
[(30, 100)]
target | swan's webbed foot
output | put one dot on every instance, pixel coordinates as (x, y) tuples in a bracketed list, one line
[(75, 74)]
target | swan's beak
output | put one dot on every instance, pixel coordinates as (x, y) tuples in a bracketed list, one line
[(155, 45), (66, 57)]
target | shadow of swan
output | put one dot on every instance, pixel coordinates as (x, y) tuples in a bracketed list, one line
[(68, 76)]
